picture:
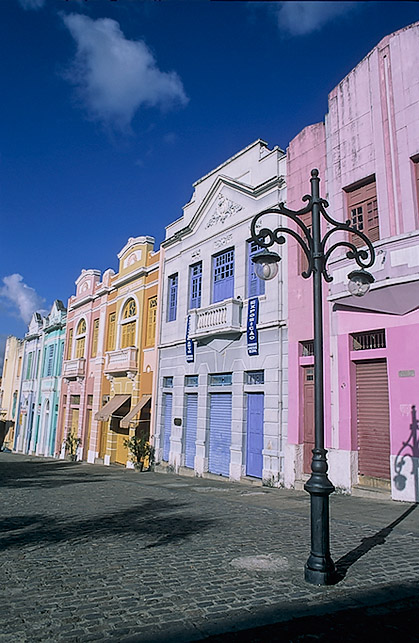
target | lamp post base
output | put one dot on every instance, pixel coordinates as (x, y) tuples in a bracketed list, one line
[(321, 577), (319, 568)]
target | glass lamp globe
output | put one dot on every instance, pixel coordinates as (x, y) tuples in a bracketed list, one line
[(359, 282), (266, 264)]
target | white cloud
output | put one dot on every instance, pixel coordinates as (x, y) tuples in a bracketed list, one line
[(116, 76), (32, 4), (21, 296), (300, 18)]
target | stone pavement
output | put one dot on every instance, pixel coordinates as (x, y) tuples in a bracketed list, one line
[(93, 553)]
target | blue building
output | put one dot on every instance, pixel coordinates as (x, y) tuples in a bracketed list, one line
[(40, 384)]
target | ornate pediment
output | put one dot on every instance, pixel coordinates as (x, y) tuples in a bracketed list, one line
[(224, 209)]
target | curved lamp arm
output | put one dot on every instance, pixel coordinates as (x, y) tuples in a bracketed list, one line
[(266, 237)]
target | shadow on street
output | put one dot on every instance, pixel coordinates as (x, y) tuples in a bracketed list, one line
[(45, 474), (152, 519), (345, 562)]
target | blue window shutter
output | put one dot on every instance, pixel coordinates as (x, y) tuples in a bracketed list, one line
[(195, 285), (171, 312), (256, 286), (223, 275)]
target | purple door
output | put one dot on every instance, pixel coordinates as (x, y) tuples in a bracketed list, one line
[(254, 458)]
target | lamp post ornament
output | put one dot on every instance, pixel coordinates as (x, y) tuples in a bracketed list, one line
[(319, 568)]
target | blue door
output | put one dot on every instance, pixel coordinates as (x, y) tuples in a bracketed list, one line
[(254, 458), (190, 429), (220, 433), (167, 424)]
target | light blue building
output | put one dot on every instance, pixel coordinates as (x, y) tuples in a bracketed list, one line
[(41, 381)]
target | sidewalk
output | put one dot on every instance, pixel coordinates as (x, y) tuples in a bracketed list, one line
[(107, 554)]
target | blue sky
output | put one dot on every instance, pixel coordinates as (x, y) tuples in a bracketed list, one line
[(110, 110)]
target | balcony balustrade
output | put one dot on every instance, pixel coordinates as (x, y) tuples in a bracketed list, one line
[(123, 360), (74, 368), (221, 318)]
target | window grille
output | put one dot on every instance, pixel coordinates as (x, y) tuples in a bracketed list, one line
[(168, 381), (221, 379), (191, 380), (307, 348), (369, 340), (255, 377)]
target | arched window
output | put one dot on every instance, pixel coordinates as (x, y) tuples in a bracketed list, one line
[(128, 324), (80, 338)]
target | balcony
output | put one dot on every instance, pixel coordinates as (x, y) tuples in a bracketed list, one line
[(221, 318), (124, 361), (74, 368)]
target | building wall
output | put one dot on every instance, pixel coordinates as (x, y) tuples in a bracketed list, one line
[(10, 386), (371, 130), (216, 219), (130, 370)]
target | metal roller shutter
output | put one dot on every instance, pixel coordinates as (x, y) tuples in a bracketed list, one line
[(190, 428), (167, 424), (373, 419), (220, 433)]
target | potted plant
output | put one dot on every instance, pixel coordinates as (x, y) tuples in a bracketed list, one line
[(141, 452), (72, 442)]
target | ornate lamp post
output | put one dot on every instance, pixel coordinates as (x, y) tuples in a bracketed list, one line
[(319, 569)]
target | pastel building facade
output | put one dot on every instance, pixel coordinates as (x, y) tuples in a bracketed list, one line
[(39, 391), (367, 153), (129, 349), (82, 366), (222, 378), (110, 355), (28, 393), (10, 387)]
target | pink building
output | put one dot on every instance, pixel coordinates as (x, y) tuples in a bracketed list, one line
[(83, 363), (367, 153)]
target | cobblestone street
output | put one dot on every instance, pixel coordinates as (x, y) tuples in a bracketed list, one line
[(103, 553)]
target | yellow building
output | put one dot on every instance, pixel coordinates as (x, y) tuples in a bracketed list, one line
[(129, 350), (10, 387)]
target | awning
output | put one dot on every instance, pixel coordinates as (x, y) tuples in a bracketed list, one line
[(115, 403), (137, 408), (397, 299)]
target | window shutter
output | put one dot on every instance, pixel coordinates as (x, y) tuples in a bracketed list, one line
[(173, 283), (256, 286), (223, 275), (195, 285), (363, 212)]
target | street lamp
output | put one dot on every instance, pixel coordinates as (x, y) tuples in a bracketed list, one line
[(320, 568)]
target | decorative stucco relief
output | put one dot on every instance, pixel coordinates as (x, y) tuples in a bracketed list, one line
[(223, 241), (225, 208)]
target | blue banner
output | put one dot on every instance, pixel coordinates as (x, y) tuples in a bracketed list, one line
[(189, 343), (252, 320)]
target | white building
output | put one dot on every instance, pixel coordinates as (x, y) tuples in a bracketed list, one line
[(222, 395)]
